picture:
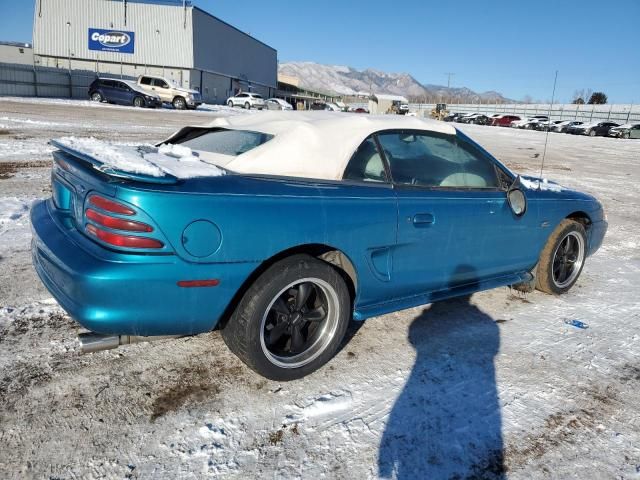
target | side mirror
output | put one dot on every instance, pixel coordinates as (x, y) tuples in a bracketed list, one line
[(517, 201)]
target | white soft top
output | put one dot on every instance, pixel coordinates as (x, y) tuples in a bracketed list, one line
[(315, 144)]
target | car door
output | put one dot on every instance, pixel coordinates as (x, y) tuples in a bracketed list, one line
[(126, 93), (370, 220), (634, 132), (109, 90), (146, 84), (455, 225), (161, 88)]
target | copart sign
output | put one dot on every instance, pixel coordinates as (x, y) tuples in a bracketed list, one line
[(111, 40)]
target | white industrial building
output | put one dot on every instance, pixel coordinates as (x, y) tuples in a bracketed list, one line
[(171, 38)]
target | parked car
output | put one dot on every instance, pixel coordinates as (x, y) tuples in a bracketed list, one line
[(593, 129), (493, 117), (278, 104), (530, 123), (628, 130), (360, 110), (600, 129), (453, 117), (547, 125), (470, 118), (319, 105), (170, 93), (154, 246), (481, 120), (122, 92), (247, 100), (505, 120), (560, 126)]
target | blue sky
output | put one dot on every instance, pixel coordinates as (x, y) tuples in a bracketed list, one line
[(513, 47)]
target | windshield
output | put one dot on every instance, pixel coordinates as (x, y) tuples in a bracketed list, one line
[(223, 142)]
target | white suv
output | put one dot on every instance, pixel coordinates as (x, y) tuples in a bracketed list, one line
[(169, 92), (247, 100)]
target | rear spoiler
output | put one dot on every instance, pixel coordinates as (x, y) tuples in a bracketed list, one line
[(167, 179)]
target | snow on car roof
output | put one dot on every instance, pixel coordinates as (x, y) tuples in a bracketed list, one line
[(312, 144)]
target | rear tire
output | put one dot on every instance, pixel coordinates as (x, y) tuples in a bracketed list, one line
[(96, 97), (626, 136), (280, 339), (592, 133), (247, 106), (562, 259)]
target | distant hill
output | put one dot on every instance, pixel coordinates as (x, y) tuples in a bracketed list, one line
[(347, 81)]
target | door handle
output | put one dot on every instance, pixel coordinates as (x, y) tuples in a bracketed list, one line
[(423, 220)]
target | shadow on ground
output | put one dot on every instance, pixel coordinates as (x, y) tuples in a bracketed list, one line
[(446, 423)]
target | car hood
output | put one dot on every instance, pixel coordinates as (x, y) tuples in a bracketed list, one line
[(553, 189)]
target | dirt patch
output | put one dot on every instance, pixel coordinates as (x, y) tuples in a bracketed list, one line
[(520, 297), (9, 169), (23, 376), (561, 427), (630, 373), (37, 325), (195, 383), (5, 132)]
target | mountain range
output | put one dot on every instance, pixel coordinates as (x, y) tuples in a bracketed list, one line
[(348, 81)]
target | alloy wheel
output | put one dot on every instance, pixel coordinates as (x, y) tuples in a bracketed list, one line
[(568, 259), (300, 323)]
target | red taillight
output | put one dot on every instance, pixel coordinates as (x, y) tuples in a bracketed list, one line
[(117, 223), (125, 241), (110, 205)]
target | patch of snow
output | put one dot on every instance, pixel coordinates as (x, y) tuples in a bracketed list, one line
[(539, 184), (143, 159)]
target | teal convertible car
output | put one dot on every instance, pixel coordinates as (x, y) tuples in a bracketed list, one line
[(280, 228)]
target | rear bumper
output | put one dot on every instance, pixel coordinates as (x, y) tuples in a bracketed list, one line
[(122, 294)]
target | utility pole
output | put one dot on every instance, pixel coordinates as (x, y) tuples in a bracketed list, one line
[(449, 75)]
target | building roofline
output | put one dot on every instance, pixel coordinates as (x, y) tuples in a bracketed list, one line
[(16, 44), (235, 28)]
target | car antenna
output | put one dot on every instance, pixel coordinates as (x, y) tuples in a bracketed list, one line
[(546, 138)]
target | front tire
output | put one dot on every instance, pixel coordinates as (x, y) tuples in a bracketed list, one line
[(292, 320), (179, 103), (230, 104), (592, 133), (562, 259), (138, 102), (247, 106)]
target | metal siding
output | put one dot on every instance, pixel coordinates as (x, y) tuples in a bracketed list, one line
[(220, 48), (173, 46)]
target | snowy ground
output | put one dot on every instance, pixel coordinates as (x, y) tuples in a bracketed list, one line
[(496, 387)]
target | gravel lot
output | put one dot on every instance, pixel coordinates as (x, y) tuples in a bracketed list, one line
[(500, 386)]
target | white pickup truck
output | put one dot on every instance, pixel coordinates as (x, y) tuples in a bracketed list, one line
[(169, 92)]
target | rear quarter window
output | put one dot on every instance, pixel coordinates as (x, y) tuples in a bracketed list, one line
[(224, 142)]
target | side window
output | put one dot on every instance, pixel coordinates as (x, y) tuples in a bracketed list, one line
[(145, 81), (158, 82), (366, 165), (434, 160)]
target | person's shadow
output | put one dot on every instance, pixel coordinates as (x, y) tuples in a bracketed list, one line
[(446, 423)]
